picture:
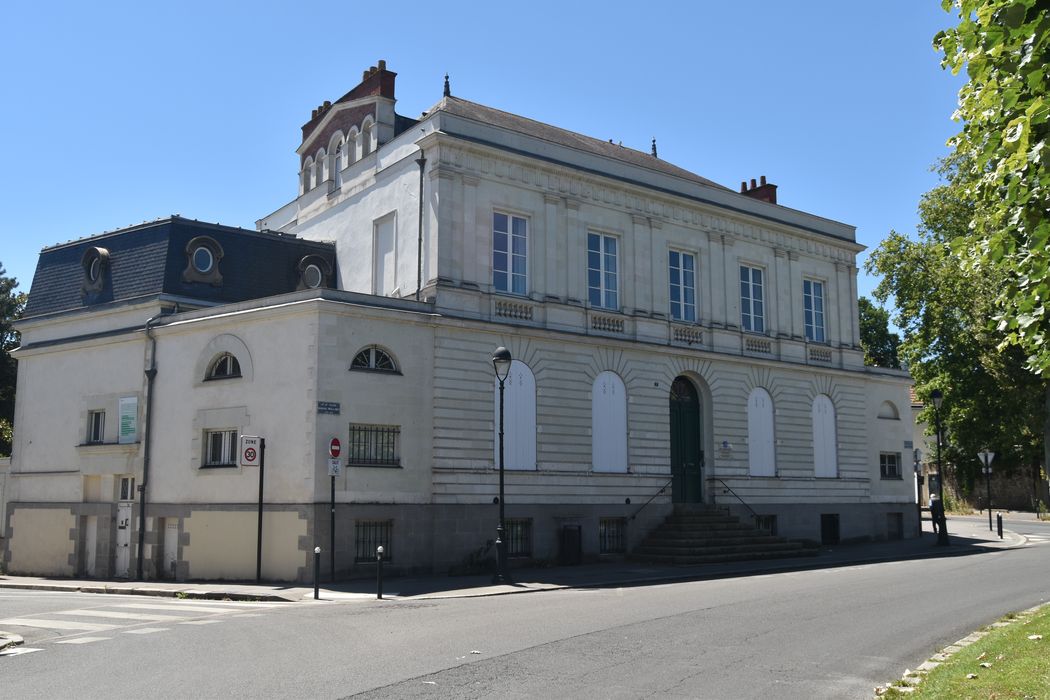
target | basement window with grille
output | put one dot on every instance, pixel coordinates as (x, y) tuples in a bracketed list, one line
[(519, 537), (612, 536), (369, 534)]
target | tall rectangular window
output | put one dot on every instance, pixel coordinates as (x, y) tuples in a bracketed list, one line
[(813, 303), (612, 535), (220, 448), (602, 271), (890, 465), (384, 256), (96, 431), (681, 272), (752, 300), (509, 253), (374, 445), (519, 537)]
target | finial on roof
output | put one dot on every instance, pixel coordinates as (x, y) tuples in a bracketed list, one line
[(447, 92), (654, 148)]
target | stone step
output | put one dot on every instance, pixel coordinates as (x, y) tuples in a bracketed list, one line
[(676, 537), (759, 548), (690, 560)]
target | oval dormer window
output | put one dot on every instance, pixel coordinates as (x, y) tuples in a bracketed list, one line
[(312, 276), (95, 263), (315, 272), (203, 260)]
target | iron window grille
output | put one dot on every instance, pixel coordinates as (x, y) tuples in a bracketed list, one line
[(612, 535), (220, 448), (519, 537), (369, 534), (767, 523), (96, 427), (374, 445), (890, 465)]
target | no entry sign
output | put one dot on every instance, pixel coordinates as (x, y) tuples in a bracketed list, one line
[(334, 448)]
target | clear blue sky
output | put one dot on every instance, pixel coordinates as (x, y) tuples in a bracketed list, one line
[(119, 112)]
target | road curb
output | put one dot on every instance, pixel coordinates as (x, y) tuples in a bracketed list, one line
[(156, 592)]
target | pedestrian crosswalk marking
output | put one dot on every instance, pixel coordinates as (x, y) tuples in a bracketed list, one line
[(200, 622), (56, 624), (18, 651), (83, 640), (146, 630), (123, 615), (179, 607)]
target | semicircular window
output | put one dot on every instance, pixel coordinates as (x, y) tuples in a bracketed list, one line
[(374, 358), (225, 366)]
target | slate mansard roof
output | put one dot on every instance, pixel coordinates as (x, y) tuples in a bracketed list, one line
[(150, 260)]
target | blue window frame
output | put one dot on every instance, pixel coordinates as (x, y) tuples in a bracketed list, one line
[(509, 253), (813, 303), (681, 272), (752, 300), (602, 271)]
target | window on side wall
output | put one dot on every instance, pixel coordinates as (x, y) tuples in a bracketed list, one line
[(374, 445), (220, 448), (890, 465), (96, 428), (509, 253), (752, 300), (519, 537), (225, 366), (681, 274), (813, 306), (603, 271)]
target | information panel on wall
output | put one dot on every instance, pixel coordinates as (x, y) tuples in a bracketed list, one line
[(128, 412)]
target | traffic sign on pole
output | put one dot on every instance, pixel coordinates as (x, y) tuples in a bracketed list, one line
[(251, 451), (334, 448)]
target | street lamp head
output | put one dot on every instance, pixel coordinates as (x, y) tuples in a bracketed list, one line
[(938, 398), (501, 363), (379, 550)]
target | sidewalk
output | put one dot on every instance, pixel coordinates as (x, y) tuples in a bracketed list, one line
[(969, 535)]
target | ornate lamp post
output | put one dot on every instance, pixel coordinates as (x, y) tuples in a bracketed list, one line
[(986, 458), (917, 464), (501, 360), (942, 526)]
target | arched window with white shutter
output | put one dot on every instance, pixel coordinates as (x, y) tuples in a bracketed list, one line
[(760, 443), (519, 418), (608, 424), (825, 441)]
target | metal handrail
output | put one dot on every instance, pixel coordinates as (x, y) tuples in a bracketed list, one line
[(651, 498), (744, 503)]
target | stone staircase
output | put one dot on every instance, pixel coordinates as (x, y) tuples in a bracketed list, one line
[(702, 534)]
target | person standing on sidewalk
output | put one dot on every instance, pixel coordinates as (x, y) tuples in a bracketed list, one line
[(936, 512)]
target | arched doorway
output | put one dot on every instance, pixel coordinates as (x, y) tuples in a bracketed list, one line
[(687, 452)]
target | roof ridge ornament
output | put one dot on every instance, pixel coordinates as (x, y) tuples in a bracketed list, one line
[(447, 92), (654, 148)]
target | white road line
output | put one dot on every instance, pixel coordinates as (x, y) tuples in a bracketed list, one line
[(146, 630), (83, 640), (181, 608), (231, 604), (200, 622), (56, 624), (122, 615), (18, 651)]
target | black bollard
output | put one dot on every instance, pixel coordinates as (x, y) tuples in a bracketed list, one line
[(999, 523), (379, 572), (317, 571)]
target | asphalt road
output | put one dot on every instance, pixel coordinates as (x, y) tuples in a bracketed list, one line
[(831, 633)]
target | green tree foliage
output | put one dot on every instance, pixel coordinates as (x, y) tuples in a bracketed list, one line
[(880, 346), (1005, 140), (11, 305), (945, 296)]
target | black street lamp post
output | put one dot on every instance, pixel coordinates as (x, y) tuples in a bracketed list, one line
[(501, 363), (986, 458), (942, 525)]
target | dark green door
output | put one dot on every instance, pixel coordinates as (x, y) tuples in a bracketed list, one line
[(687, 455)]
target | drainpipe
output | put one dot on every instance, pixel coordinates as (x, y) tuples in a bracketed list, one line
[(422, 162), (151, 374)]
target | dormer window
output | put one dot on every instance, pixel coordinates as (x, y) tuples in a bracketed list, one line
[(95, 263), (225, 366), (374, 358), (203, 256), (314, 272)]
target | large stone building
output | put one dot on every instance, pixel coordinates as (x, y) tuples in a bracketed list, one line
[(674, 341)]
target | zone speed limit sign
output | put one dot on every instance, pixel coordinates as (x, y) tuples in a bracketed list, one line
[(251, 451)]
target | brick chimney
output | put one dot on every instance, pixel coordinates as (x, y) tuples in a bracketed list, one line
[(767, 192)]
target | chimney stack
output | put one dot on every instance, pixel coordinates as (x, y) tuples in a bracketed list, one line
[(766, 192)]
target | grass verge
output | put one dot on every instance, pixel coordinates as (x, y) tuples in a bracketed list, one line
[(1012, 660)]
